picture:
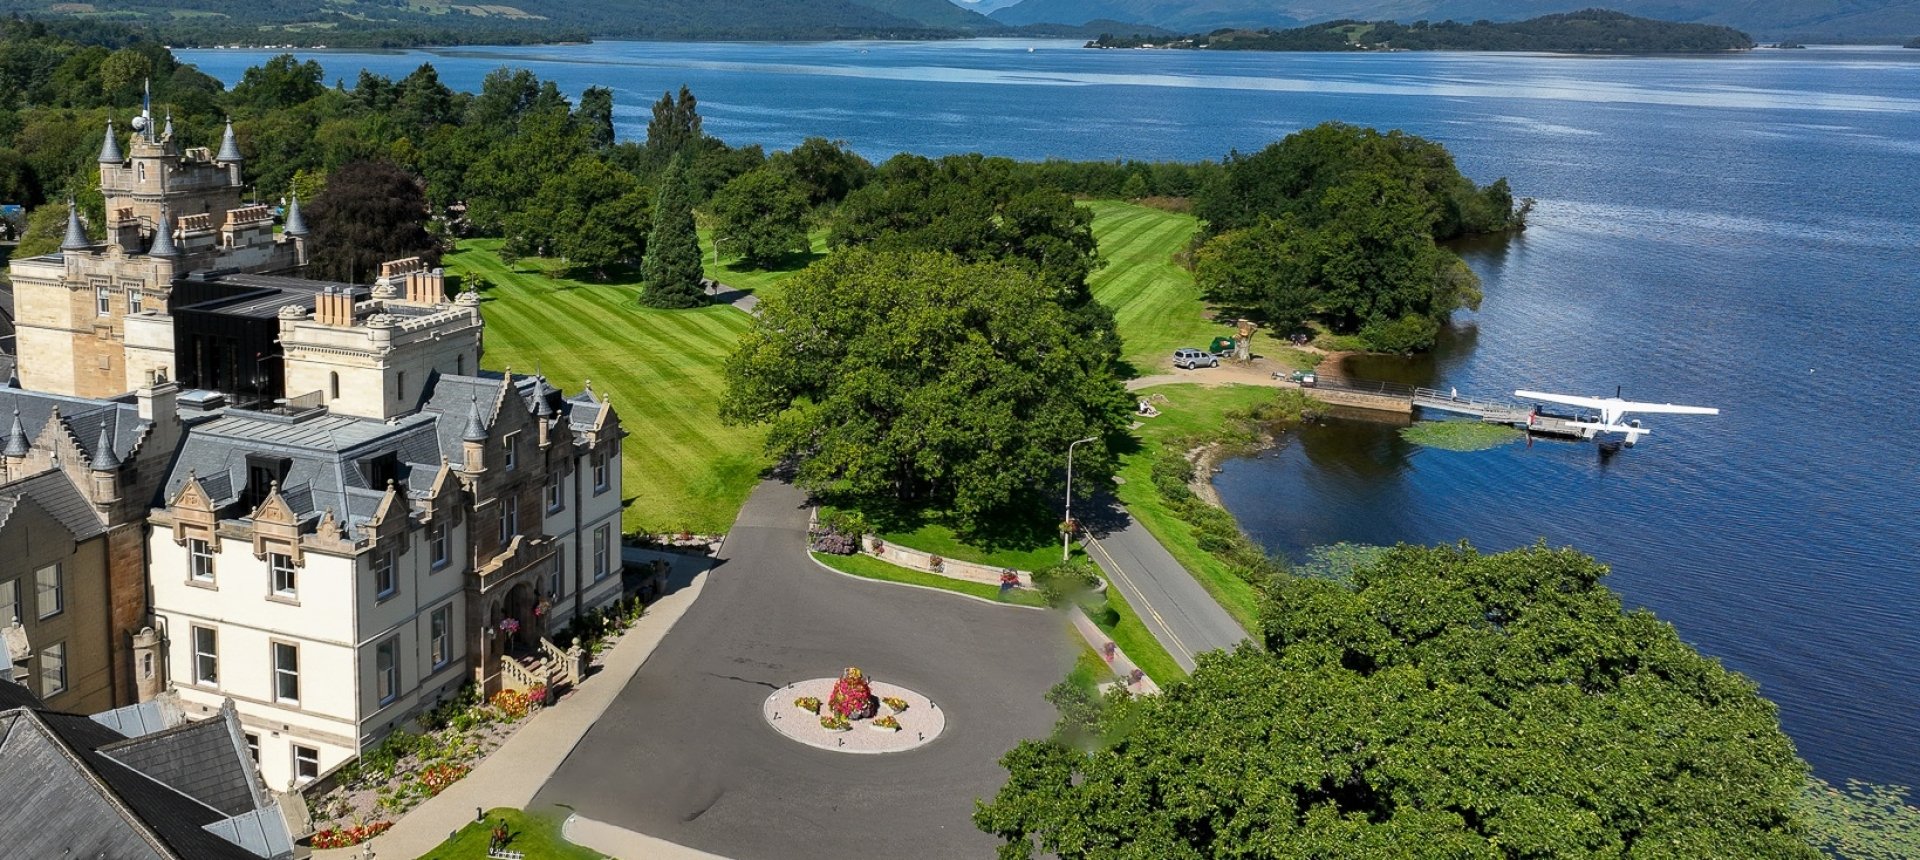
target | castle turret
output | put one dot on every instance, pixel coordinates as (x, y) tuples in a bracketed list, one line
[(76, 235), (163, 235), (105, 468), (229, 147), (296, 225), (110, 150), (17, 448), (473, 443)]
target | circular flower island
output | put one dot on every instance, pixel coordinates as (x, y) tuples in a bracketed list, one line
[(854, 714)]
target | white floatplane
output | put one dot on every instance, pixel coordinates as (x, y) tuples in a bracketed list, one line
[(1613, 411)]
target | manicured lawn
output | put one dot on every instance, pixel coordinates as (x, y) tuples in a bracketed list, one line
[(662, 369), (1155, 303), (940, 540), (873, 568), (535, 835), (1189, 410), (760, 282)]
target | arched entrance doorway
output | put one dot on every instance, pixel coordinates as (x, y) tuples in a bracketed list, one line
[(521, 634)]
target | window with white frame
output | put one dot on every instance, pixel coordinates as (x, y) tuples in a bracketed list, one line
[(206, 656), (306, 763), (554, 500), (53, 670), (285, 583), (286, 673), (102, 300), (599, 472), (200, 559), (508, 451), (556, 577), (384, 580), (135, 300), (602, 539), (387, 670), (50, 591), (509, 518), (437, 544), (10, 601), (253, 748), (440, 645)]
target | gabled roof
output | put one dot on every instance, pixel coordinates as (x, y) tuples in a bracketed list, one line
[(206, 760), (81, 415), (54, 493)]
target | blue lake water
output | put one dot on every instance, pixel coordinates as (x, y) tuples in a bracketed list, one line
[(1742, 232)]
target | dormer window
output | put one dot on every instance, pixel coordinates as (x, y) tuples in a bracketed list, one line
[(262, 474)]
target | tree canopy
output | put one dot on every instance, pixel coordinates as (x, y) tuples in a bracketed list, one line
[(370, 212), (924, 378), (671, 269), (1447, 703), (761, 216)]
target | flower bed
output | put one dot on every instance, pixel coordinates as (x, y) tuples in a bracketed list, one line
[(347, 837)]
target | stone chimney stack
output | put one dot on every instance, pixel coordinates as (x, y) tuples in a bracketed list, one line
[(333, 306), (427, 287)]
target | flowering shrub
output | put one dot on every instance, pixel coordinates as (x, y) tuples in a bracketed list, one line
[(852, 696), (894, 703), (511, 703), (1009, 579), (347, 837), (834, 722), (538, 695), (436, 777), (887, 722), (808, 703)]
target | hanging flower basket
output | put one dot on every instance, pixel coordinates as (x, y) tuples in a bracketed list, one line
[(509, 626), (936, 563)]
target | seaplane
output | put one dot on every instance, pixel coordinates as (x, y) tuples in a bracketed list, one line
[(1613, 414)]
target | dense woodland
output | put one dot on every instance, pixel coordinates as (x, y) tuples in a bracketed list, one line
[(1593, 31)]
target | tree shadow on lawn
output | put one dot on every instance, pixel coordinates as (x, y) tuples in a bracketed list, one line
[(792, 261)]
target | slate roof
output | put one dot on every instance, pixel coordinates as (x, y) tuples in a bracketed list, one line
[(81, 415), (65, 797), (206, 760), (53, 492)]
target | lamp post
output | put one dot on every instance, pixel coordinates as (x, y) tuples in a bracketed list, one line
[(1066, 533)]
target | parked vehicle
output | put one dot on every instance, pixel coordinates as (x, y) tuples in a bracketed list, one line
[(1192, 358)]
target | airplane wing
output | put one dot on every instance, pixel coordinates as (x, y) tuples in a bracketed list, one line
[(1568, 399), (1668, 408)]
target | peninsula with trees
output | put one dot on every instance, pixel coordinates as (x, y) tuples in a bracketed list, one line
[(1593, 31)]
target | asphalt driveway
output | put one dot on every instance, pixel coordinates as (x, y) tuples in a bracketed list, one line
[(684, 755)]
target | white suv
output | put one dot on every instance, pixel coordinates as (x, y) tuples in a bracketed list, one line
[(1192, 358)]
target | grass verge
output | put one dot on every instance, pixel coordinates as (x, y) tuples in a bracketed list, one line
[(763, 283), (867, 567), (1089, 672), (1189, 412), (1125, 628), (536, 835), (662, 369)]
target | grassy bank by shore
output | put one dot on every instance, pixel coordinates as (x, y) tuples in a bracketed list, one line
[(662, 369)]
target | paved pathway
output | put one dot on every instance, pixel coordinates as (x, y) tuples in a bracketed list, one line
[(511, 775), (1176, 608), (684, 755)]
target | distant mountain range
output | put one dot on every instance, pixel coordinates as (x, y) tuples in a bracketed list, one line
[(1806, 20)]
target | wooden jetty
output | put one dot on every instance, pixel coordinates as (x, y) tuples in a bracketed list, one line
[(1404, 399)]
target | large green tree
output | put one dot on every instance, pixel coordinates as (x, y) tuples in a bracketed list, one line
[(671, 269), (760, 216), (1447, 703), (592, 214), (918, 377)]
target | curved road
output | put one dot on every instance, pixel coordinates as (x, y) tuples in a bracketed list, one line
[(684, 755), (1177, 610)]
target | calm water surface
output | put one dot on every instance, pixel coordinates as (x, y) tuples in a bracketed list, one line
[(1740, 232)]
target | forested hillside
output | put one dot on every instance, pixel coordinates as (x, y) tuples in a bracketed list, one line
[(1884, 21), (394, 23), (1589, 32)]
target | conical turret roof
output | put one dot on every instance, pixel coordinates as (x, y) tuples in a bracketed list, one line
[(104, 459), (76, 235), (110, 150), (163, 235), (16, 438), (476, 428), (296, 225), (167, 134), (229, 148)]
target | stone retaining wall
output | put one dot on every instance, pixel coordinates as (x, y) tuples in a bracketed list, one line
[(914, 559)]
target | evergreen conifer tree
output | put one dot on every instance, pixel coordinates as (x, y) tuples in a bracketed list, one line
[(671, 267)]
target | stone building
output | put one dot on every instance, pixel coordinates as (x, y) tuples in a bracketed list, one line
[(343, 558), (77, 477), (170, 211)]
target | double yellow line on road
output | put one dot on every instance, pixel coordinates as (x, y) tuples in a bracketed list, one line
[(1121, 572)]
